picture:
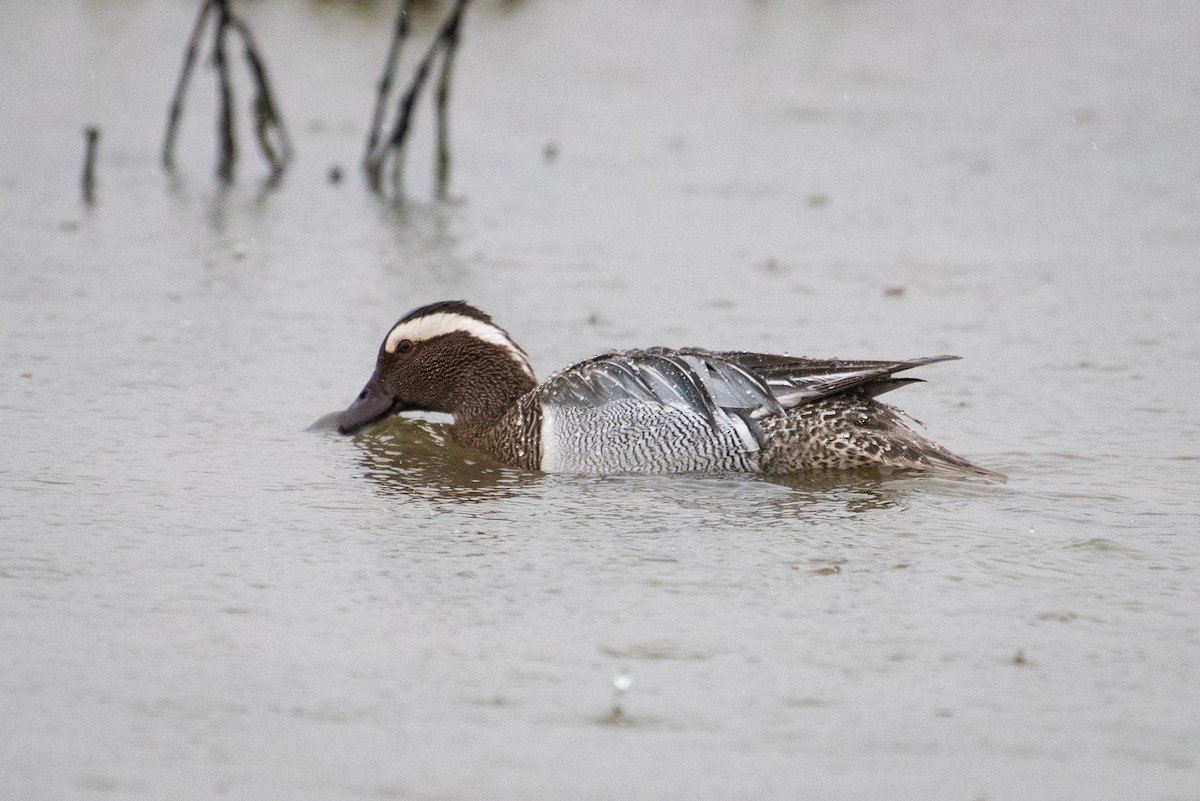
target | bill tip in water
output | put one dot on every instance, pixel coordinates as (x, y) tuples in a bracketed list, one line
[(326, 422)]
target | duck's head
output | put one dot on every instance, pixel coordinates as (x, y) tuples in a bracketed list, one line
[(445, 357)]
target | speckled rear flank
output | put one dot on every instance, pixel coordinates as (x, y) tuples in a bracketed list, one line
[(848, 431)]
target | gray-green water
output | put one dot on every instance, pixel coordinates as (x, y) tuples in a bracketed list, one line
[(200, 599)]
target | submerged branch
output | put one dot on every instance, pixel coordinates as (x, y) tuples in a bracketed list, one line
[(91, 135), (442, 105), (384, 87), (176, 110), (445, 41), (268, 124), (399, 136), (226, 134), (272, 136)]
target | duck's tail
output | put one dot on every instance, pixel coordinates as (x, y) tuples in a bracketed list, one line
[(902, 447), (852, 430)]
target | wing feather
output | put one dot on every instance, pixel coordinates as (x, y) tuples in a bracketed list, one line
[(718, 383)]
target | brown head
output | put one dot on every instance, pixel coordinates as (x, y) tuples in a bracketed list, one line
[(445, 357)]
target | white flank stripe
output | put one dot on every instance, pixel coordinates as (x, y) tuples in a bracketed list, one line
[(436, 325), (549, 463), (747, 438)]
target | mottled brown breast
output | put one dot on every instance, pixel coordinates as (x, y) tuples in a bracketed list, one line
[(515, 439)]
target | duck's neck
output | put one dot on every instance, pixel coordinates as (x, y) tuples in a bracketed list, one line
[(483, 395)]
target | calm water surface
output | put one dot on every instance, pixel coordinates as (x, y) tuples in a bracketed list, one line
[(200, 598)]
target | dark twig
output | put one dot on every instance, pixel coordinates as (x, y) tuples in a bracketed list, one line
[(385, 80), (443, 104), (269, 130), (226, 134), (268, 124), (399, 136), (91, 135), (444, 41), (185, 74)]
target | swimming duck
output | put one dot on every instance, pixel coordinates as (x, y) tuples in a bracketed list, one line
[(656, 410)]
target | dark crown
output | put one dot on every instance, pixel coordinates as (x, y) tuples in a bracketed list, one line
[(447, 307)]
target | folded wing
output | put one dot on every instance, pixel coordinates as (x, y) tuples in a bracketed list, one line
[(715, 384)]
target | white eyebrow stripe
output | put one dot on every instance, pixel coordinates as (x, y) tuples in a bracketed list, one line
[(441, 323)]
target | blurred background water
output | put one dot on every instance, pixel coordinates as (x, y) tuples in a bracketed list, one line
[(200, 598)]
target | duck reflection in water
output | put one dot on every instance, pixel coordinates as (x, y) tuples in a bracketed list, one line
[(416, 457)]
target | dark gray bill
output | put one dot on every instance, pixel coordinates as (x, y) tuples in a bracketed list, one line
[(370, 405)]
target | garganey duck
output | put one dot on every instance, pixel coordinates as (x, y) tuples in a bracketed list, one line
[(656, 410)]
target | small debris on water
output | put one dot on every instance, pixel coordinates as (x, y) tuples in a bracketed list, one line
[(894, 292), (616, 716), (335, 174), (1019, 657)]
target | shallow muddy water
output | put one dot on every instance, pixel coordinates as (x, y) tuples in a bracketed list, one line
[(200, 598)]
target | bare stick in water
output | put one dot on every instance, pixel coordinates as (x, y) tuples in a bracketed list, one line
[(399, 136), (268, 124), (269, 130), (444, 42), (443, 103), (384, 90), (91, 135), (185, 74), (226, 135)]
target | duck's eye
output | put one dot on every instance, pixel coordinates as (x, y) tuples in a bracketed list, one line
[(404, 346)]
